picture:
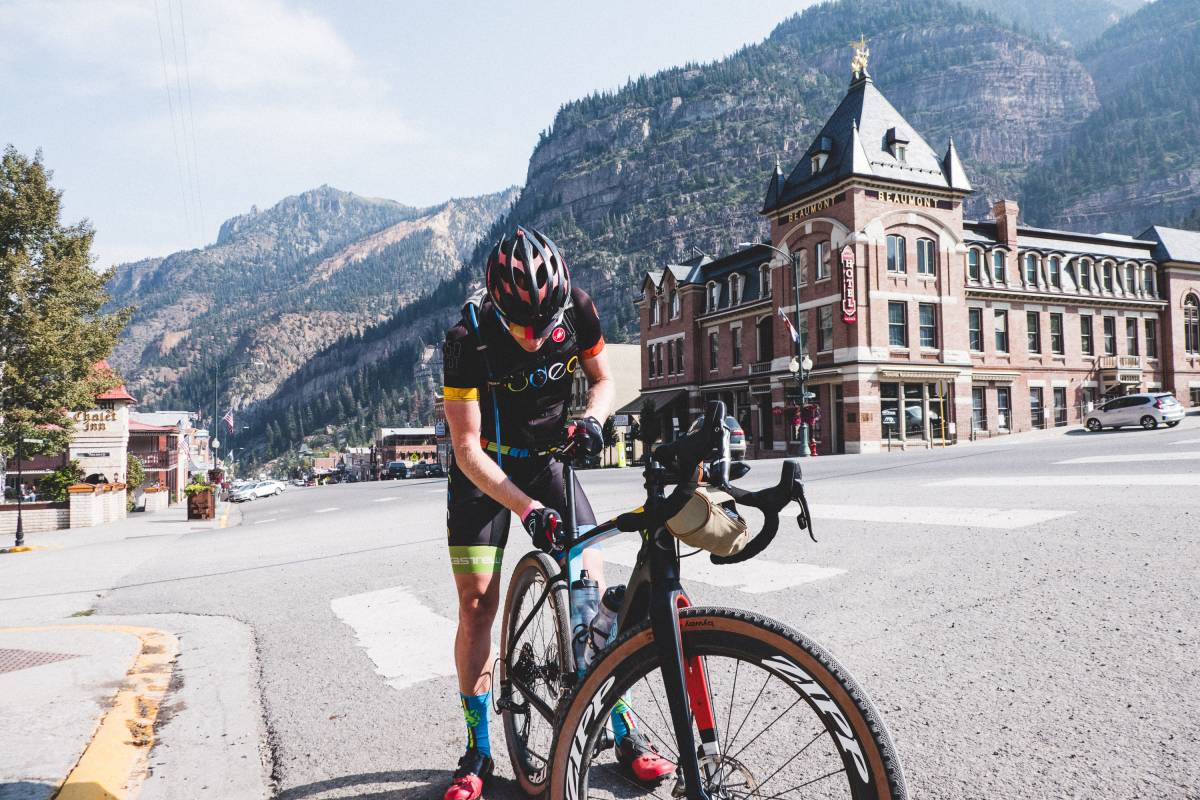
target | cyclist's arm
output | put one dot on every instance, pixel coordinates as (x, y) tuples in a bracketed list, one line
[(464, 420), (601, 387)]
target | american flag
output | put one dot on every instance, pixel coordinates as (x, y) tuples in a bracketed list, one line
[(791, 328), (228, 420)]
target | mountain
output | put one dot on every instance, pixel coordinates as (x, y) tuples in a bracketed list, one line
[(279, 285), (1135, 160), (1075, 22)]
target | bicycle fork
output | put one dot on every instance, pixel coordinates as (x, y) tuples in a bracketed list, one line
[(684, 679)]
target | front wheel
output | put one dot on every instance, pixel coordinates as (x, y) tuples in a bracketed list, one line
[(1094, 425), (536, 666), (1149, 422), (790, 721)]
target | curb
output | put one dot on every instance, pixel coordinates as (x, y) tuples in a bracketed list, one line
[(115, 762)]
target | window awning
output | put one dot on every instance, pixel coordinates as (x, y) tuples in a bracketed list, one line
[(660, 399), (917, 374), (979, 376)]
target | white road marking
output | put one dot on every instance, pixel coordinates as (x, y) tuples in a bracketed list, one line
[(406, 641), (1001, 518), (1121, 459), (756, 576), (385, 499), (325, 510), (435, 491), (265, 521), (1049, 481), (1187, 441)]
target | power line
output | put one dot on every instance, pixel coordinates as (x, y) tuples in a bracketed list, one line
[(162, 47)]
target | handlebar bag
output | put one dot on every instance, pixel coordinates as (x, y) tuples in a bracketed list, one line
[(705, 523)]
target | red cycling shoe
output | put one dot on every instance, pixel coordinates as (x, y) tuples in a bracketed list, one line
[(642, 760), (474, 768)]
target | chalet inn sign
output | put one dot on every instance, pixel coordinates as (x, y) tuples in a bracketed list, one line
[(96, 420)]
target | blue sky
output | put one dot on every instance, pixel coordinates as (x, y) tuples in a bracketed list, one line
[(414, 102)]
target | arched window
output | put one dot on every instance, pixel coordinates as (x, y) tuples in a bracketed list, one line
[(1131, 282), (654, 320), (897, 259), (926, 259), (764, 280), (1031, 270), (674, 303), (1106, 273), (714, 296), (1148, 286), (999, 274), (974, 265), (735, 288), (1055, 272), (1085, 275), (1191, 324)]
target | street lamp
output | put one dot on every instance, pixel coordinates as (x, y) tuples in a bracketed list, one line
[(800, 364), (21, 485)]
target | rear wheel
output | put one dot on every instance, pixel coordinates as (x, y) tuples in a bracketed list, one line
[(536, 666), (1094, 425), (1149, 422), (790, 721)]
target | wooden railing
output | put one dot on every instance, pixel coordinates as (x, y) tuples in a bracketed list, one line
[(760, 367), (1121, 362)]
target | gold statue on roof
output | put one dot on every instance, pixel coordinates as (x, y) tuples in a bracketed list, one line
[(861, 54)]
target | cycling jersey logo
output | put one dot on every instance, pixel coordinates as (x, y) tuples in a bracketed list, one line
[(559, 334), (537, 378)]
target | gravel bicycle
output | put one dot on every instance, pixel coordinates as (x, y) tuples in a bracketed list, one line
[(745, 706)]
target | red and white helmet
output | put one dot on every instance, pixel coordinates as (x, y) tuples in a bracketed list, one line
[(529, 282)]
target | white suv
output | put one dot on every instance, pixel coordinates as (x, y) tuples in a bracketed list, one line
[(1147, 410)]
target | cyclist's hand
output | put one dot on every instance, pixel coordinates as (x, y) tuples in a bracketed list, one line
[(545, 527), (588, 433)]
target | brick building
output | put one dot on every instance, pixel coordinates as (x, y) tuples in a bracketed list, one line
[(922, 326)]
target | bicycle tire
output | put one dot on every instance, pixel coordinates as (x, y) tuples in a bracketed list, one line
[(532, 574), (799, 663)]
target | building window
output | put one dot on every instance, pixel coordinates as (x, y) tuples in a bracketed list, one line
[(1106, 272), (713, 296), (674, 303), (712, 351), (800, 268), (1033, 325), (670, 358), (1060, 405), (928, 328), (654, 320), (1031, 270), (926, 264), (735, 289), (979, 408), (975, 328), (1191, 324), (1085, 335), (1056, 272), (1131, 336), (818, 161), (823, 265), (1037, 408), (1152, 338), (1085, 275), (1110, 336), (1001, 331), (659, 348), (764, 281), (1057, 345), (1003, 406), (650, 362), (1148, 280), (998, 267), (736, 335), (766, 338), (1130, 279), (897, 324), (973, 265), (824, 329), (897, 259), (901, 151)]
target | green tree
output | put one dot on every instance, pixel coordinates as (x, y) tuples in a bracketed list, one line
[(52, 328), (135, 473)]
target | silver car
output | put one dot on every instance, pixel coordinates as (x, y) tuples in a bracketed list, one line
[(1148, 410)]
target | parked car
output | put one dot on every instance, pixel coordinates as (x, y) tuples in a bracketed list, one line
[(737, 436), (243, 493), (396, 470), (1146, 409)]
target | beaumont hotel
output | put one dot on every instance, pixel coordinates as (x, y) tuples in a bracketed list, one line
[(958, 327)]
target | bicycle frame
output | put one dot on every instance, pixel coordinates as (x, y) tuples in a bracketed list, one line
[(655, 593)]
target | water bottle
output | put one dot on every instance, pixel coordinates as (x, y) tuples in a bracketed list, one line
[(585, 597), (604, 624)]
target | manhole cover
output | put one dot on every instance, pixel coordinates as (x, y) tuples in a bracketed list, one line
[(13, 660)]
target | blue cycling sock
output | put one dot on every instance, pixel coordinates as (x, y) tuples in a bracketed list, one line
[(477, 711), (622, 720)]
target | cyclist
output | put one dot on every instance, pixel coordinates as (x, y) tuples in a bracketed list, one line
[(508, 374)]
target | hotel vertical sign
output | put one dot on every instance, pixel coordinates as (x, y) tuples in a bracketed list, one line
[(849, 305)]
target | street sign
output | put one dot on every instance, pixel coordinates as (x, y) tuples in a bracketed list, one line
[(439, 428), (34, 441), (94, 455), (888, 417), (621, 420)]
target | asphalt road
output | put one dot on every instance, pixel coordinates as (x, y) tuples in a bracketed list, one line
[(1022, 613)]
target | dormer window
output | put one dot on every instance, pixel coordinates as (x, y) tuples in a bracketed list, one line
[(674, 303), (901, 152), (818, 162), (735, 289), (820, 153), (764, 280), (897, 143), (713, 296)]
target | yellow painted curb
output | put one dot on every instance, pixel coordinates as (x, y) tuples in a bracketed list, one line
[(25, 548), (225, 516), (115, 762)]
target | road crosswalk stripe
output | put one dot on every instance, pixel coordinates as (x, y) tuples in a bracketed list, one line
[(1001, 518), (1053, 481), (406, 641), (1187, 441), (756, 576), (325, 510), (265, 521), (385, 499), (1127, 457)]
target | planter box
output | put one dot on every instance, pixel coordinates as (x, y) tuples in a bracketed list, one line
[(201, 505)]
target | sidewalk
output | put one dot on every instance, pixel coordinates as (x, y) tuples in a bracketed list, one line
[(161, 706)]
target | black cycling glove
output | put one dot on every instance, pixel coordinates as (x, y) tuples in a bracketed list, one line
[(545, 527), (588, 433)]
